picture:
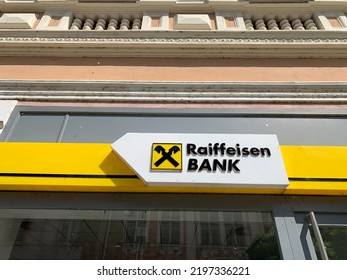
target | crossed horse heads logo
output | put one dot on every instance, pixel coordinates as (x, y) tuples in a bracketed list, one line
[(166, 157)]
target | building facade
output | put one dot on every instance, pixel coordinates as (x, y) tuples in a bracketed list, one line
[(76, 76)]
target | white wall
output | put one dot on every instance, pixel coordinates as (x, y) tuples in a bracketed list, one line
[(6, 108)]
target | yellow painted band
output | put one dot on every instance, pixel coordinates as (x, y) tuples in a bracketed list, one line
[(60, 158), (325, 167), (315, 161), (316, 188)]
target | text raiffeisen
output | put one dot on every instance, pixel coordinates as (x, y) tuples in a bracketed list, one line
[(221, 154)]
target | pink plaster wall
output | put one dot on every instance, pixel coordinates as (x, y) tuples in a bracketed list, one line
[(148, 69)]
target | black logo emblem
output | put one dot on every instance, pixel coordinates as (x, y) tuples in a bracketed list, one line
[(166, 157)]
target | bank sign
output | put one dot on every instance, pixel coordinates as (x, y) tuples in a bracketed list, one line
[(210, 160)]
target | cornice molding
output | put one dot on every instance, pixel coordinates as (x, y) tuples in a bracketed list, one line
[(247, 44), (174, 92), (90, 8)]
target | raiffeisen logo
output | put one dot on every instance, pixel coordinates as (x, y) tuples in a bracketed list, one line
[(214, 157), (167, 157)]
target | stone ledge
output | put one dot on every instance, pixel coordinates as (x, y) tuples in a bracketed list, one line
[(175, 92)]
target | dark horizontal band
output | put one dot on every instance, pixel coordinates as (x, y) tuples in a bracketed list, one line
[(97, 176), (93, 176)]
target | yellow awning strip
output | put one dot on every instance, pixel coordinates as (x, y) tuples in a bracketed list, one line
[(312, 170)]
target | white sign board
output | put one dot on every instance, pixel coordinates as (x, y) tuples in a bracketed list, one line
[(210, 160)]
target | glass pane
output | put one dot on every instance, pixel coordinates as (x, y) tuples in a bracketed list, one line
[(335, 241), (39, 234), (95, 127)]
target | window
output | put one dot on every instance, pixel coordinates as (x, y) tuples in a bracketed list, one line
[(140, 234)]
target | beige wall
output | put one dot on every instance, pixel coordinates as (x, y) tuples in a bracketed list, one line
[(147, 69)]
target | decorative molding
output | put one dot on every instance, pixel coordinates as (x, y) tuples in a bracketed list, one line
[(281, 22), (324, 20), (161, 18), (105, 23), (175, 92), (222, 19), (327, 44), (17, 21), (62, 20), (192, 22)]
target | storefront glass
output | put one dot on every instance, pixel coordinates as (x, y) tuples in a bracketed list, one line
[(60, 234), (335, 242)]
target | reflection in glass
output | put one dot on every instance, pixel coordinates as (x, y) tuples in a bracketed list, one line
[(335, 242), (138, 235)]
